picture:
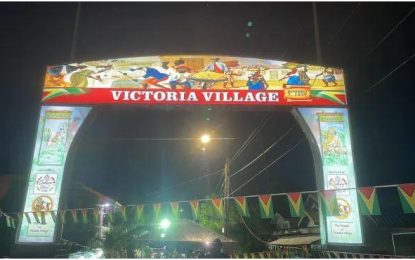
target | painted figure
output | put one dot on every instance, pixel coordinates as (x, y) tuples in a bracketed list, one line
[(328, 77), (156, 75), (180, 77), (294, 78), (257, 82)]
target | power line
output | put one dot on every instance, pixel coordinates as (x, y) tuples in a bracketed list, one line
[(391, 31), (343, 24), (185, 182), (249, 230), (250, 137), (261, 154), (390, 73), (266, 167)]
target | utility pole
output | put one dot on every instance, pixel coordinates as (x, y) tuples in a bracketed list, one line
[(226, 195), (319, 55)]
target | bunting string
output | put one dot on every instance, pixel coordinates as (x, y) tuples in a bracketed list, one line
[(367, 198)]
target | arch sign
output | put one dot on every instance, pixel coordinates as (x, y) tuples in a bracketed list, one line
[(316, 95)]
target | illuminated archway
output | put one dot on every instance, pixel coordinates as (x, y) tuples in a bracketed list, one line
[(316, 95)]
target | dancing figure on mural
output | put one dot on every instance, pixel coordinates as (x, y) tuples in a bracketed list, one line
[(328, 77), (256, 81)]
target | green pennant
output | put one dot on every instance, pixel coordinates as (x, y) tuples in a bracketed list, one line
[(329, 203), (74, 215), (62, 216), (265, 206), (368, 201), (53, 216), (28, 217), (139, 209), (84, 214), (96, 212), (194, 205), (175, 210), (8, 221), (123, 213), (242, 206), (407, 197), (157, 211), (295, 201)]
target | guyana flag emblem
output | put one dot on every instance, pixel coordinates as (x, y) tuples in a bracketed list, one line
[(407, 197), (242, 206), (157, 210), (295, 201), (218, 204), (329, 203), (265, 206), (175, 209), (194, 205), (368, 201)]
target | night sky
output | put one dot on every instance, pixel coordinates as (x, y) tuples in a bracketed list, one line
[(354, 36)]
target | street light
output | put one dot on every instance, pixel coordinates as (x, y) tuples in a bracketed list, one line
[(165, 223), (205, 138)]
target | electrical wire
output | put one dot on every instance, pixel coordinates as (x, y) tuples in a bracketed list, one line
[(390, 73), (266, 167), (391, 31), (251, 137), (249, 230), (185, 182), (261, 154), (343, 24)]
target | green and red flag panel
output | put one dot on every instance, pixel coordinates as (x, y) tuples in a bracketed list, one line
[(265, 206), (74, 215), (123, 212), (368, 201), (407, 197), (295, 201), (139, 209), (174, 206), (157, 210), (242, 206), (329, 203), (218, 204), (96, 214), (194, 205)]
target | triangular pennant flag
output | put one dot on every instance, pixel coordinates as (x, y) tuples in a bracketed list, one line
[(268, 254), (253, 255), (368, 201), (28, 217), (84, 213), (13, 222), (53, 216), (295, 201), (261, 255), (175, 209), (246, 255), (242, 206), (407, 197), (218, 204), (265, 206), (74, 215), (157, 210), (194, 205), (110, 216), (329, 203), (139, 209), (20, 216), (43, 218), (36, 216), (62, 216), (8, 221), (96, 212), (123, 212)]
